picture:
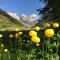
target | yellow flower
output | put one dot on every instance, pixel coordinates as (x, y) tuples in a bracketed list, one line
[(16, 29), (47, 25), (37, 28), (10, 36), (16, 35), (35, 39), (5, 50), (55, 25), (32, 33), (49, 32), (20, 33), (1, 35), (2, 45), (37, 44)]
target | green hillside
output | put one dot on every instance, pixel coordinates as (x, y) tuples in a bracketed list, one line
[(9, 23)]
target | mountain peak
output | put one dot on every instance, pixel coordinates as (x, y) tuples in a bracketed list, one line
[(14, 15)]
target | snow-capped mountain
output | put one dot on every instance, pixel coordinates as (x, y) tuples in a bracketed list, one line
[(24, 19), (14, 15)]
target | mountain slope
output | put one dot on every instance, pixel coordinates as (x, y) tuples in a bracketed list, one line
[(27, 21), (8, 22)]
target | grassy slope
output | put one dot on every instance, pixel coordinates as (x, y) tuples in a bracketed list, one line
[(9, 23), (5, 23)]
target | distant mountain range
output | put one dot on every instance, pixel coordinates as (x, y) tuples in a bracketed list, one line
[(25, 20)]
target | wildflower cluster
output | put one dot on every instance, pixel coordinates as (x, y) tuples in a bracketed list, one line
[(32, 44)]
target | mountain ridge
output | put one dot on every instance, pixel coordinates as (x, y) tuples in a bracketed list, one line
[(28, 21), (8, 22)]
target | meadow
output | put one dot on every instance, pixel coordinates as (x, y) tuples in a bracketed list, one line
[(35, 44)]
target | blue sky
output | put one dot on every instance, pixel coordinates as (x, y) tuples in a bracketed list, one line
[(27, 7)]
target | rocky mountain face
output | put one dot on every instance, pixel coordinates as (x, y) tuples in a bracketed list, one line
[(25, 20)]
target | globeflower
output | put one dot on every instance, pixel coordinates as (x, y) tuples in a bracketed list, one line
[(55, 25), (2, 45), (1, 35), (32, 33), (10, 36), (5, 50), (37, 28), (20, 33), (37, 44), (49, 32), (35, 39), (16, 35), (47, 25)]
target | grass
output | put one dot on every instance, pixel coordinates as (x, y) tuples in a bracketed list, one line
[(23, 49), (7, 24)]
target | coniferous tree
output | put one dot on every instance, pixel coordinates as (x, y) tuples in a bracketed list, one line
[(51, 11)]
